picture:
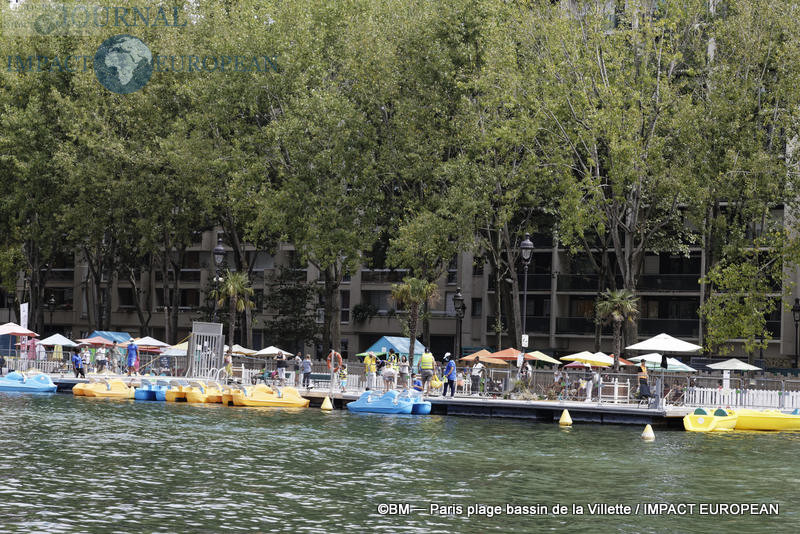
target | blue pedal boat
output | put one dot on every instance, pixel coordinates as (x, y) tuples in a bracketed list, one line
[(420, 406), (38, 383), (150, 392), (388, 403)]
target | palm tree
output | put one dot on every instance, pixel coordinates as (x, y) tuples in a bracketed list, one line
[(412, 294), (615, 307), (236, 290)]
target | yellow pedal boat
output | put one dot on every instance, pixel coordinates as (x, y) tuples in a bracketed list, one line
[(263, 395), (114, 388), (766, 420), (227, 396), (177, 391), (79, 389), (702, 421), (203, 393)]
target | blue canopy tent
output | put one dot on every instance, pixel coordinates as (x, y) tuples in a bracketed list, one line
[(400, 346), (119, 337)]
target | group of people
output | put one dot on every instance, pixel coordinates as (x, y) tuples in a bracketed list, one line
[(396, 370), (301, 366), (113, 359)]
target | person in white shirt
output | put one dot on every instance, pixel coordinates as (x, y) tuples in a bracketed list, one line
[(100, 358), (477, 369)]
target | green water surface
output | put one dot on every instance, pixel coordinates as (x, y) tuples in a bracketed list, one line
[(76, 464)]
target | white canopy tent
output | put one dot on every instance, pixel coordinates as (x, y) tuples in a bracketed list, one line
[(13, 329), (733, 364), (673, 365), (57, 339), (664, 343), (272, 351)]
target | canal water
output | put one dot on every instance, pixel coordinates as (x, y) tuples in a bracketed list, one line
[(72, 464)]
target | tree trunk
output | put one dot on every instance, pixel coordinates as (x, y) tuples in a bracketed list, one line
[(413, 316), (231, 322), (617, 342), (514, 326), (426, 325), (331, 335)]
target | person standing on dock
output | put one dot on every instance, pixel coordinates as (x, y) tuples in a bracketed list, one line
[(115, 358), (369, 369), (644, 388), (2, 364), (307, 372), (343, 378), (100, 358), (402, 372), (298, 364), (449, 376), (475, 375), (133, 355), (426, 365), (280, 364), (77, 365)]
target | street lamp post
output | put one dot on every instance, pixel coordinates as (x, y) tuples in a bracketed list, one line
[(526, 251), (219, 255), (51, 305), (458, 304), (796, 317)]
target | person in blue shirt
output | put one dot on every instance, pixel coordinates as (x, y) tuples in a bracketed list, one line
[(449, 375), (417, 383), (133, 355), (77, 365)]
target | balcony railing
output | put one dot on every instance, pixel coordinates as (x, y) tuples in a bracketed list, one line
[(647, 282), (536, 282), (674, 327), (578, 325), (62, 275), (669, 282), (535, 325), (382, 276), (577, 282)]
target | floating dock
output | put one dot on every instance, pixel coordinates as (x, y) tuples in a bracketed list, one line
[(538, 411)]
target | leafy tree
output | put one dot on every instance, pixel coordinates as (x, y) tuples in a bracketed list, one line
[(289, 300), (412, 294), (234, 290), (616, 307)]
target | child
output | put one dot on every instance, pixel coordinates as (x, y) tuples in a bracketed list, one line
[(416, 382), (343, 377)]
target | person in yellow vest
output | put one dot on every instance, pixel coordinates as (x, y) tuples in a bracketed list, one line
[(426, 365), (369, 369), (391, 359), (644, 387)]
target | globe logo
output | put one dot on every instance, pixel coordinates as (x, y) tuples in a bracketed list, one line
[(123, 64)]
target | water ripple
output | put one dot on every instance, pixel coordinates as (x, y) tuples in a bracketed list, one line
[(96, 465)]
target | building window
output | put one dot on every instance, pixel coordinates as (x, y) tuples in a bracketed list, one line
[(581, 307), (126, 297), (258, 300), (345, 307), (381, 300), (344, 348), (190, 298), (477, 307)]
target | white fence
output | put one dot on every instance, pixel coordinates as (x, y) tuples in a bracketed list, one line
[(742, 398)]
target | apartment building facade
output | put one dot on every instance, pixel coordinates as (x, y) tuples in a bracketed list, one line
[(561, 291)]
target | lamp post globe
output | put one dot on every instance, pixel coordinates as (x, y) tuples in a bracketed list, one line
[(219, 253)]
